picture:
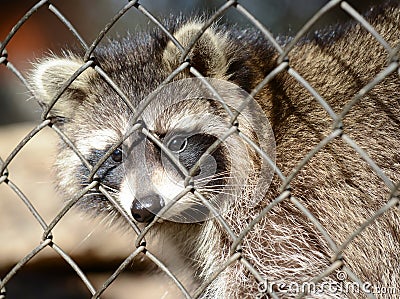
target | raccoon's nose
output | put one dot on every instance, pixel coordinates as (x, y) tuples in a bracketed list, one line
[(144, 210)]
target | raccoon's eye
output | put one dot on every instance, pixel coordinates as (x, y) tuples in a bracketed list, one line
[(117, 155), (177, 144)]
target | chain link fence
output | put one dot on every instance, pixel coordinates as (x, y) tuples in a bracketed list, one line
[(238, 254)]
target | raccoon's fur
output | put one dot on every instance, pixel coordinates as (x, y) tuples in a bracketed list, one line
[(337, 186)]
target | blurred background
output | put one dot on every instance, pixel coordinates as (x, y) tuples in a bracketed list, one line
[(87, 241)]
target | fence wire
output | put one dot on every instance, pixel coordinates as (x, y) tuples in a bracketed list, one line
[(237, 255)]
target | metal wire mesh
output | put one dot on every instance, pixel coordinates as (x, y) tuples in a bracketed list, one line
[(284, 65)]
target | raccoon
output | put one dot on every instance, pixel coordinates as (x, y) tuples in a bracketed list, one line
[(173, 158)]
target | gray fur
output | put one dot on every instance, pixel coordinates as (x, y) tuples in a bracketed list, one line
[(336, 185)]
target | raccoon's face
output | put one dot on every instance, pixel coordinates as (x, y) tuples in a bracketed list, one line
[(167, 149)]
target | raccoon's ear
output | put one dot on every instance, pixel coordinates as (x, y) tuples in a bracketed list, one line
[(48, 77), (208, 55)]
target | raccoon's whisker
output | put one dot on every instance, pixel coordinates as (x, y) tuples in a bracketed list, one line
[(213, 178), (186, 214), (216, 190), (230, 185), (220, 193), (222, 173), (108, 217)]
